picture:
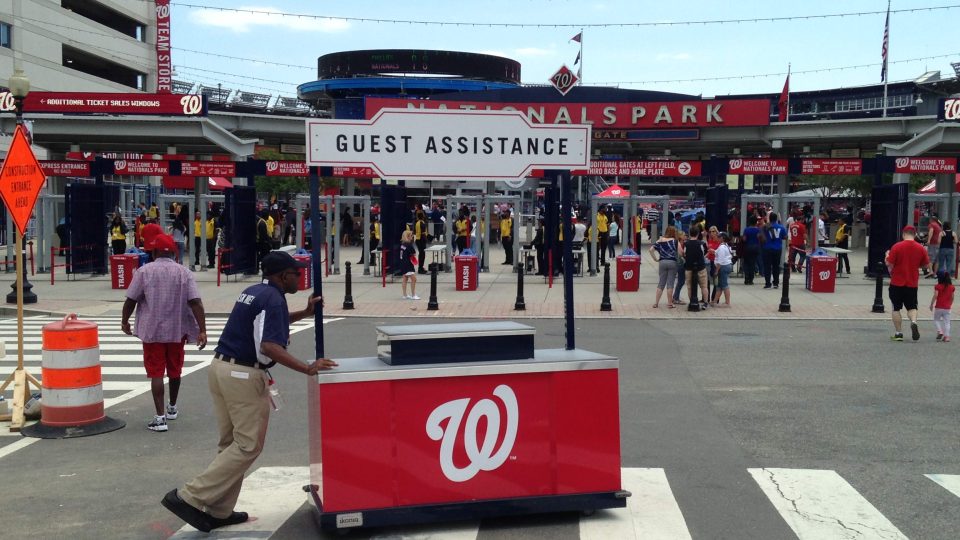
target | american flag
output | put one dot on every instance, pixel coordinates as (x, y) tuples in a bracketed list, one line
[(886, 46)]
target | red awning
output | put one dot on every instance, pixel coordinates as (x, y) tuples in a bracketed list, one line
[(614, 191), (215, 183), (932, 186)]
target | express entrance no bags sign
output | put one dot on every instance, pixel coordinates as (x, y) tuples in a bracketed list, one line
[(438, 144)]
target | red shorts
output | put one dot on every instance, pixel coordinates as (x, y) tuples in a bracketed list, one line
[(158, 357)]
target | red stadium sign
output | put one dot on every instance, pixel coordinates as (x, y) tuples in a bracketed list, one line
[(645, 168), (141, 167), (208, 168), (758, 166), (831, 166), (100, 103), (66, 168), (287, 168), (652, 115), (934, 165)]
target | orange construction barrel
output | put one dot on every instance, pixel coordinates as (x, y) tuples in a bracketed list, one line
[(71, 386)]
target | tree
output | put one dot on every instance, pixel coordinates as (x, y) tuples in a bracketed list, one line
[(285, 187), (827, 186)]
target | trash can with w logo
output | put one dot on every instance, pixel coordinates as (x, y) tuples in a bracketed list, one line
[(821, 272)]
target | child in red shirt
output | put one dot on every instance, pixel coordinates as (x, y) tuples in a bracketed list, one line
[(940, 304)]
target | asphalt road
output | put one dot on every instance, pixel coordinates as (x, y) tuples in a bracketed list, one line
[(703, 400)]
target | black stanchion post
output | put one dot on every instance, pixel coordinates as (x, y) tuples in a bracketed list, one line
[(878, 294), (694, 288), (605, 301), (348, 290), (520, 305), (432, 304), (785, 291)]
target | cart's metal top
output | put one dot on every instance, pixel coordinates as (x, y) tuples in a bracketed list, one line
[(453, 330), (545, 360)]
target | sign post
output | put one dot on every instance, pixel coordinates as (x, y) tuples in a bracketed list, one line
[(20, 183)]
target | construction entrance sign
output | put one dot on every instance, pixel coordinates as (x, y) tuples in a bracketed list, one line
[(21, 180)]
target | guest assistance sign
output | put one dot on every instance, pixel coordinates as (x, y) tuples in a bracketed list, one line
[(438, 144)]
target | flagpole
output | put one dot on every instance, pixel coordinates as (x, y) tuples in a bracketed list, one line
[(580, 69), (886, 54)]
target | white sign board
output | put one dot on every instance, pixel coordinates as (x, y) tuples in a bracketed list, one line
[(447, 144)]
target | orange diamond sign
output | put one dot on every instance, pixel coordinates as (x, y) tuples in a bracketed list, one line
[(21, 180)]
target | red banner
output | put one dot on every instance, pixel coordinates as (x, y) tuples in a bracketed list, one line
[(103, 103), (645, 168), (164, 60), (831, 166), (141, 167), (287, 168), (653, 115), (758, 166), (354, 172), (66, 168), (932, 165), (208, 168)]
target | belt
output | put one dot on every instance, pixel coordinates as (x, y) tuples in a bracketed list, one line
[(236, 361)]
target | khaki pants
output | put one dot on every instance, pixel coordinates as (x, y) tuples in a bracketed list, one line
[(242, 405)]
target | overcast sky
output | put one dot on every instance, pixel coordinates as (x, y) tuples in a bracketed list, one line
[(641, 57)]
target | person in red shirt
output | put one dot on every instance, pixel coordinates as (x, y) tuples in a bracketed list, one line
[(940, 305), (798, 244), (904, 260)]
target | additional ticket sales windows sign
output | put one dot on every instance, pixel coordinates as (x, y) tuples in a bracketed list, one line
[(645, 168), (949, 110), (652, 115), (757, 166), (932, 165), (480, 145), (98, 103), (831, 166)]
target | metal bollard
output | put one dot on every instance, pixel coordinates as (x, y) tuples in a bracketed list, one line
[(520, 305), (878, 294), (605, 301), (432, 304), (785, 291), (694, 289), (348, 291)]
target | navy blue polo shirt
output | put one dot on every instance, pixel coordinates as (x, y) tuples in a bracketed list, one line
[(259, 314)]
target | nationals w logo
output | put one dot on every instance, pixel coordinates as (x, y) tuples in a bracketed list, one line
[(482, 457)]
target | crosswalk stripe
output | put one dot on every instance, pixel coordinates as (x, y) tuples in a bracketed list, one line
[(651, 513), (820, 504), (271, 495), (950, 482)]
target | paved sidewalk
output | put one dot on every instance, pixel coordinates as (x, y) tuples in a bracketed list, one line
[(496, 296)]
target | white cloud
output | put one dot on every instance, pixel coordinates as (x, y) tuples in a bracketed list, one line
[(673, 56), (254, 16)]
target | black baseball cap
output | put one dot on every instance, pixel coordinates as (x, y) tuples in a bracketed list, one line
[(278, 261)]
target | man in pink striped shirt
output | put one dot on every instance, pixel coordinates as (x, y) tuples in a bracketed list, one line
[(169, 314)]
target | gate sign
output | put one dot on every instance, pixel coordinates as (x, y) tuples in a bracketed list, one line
[(439, 144), (831, 166), (645, 168), (949, 110), (935, 165), (21, 180), (758, 166)]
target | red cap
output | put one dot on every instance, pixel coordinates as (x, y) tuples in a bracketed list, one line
[(148, 233), (164, 242), (909, 229)]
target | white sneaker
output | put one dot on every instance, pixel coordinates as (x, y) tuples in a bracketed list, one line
[(405, 297), (171, 412), (159, 424), (414, 297)]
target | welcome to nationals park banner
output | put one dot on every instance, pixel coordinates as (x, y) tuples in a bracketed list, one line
[(655, 168)]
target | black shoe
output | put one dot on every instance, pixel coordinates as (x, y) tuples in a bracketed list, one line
[(776, 285), (422, 271), (914, 331), (767, 286), (197, 519), (233, 519)]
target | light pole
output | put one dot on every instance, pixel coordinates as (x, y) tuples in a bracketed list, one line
[(19, 86)]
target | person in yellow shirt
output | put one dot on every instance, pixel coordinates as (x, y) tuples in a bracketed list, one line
[(506, 237), (196, 237), (420, 238), (603, 234), (211, 234), (637, 228), (118, 235), (462, 228)]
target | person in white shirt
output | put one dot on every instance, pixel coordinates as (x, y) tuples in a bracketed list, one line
[(579, 231), (723, 266), (822, 229)]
